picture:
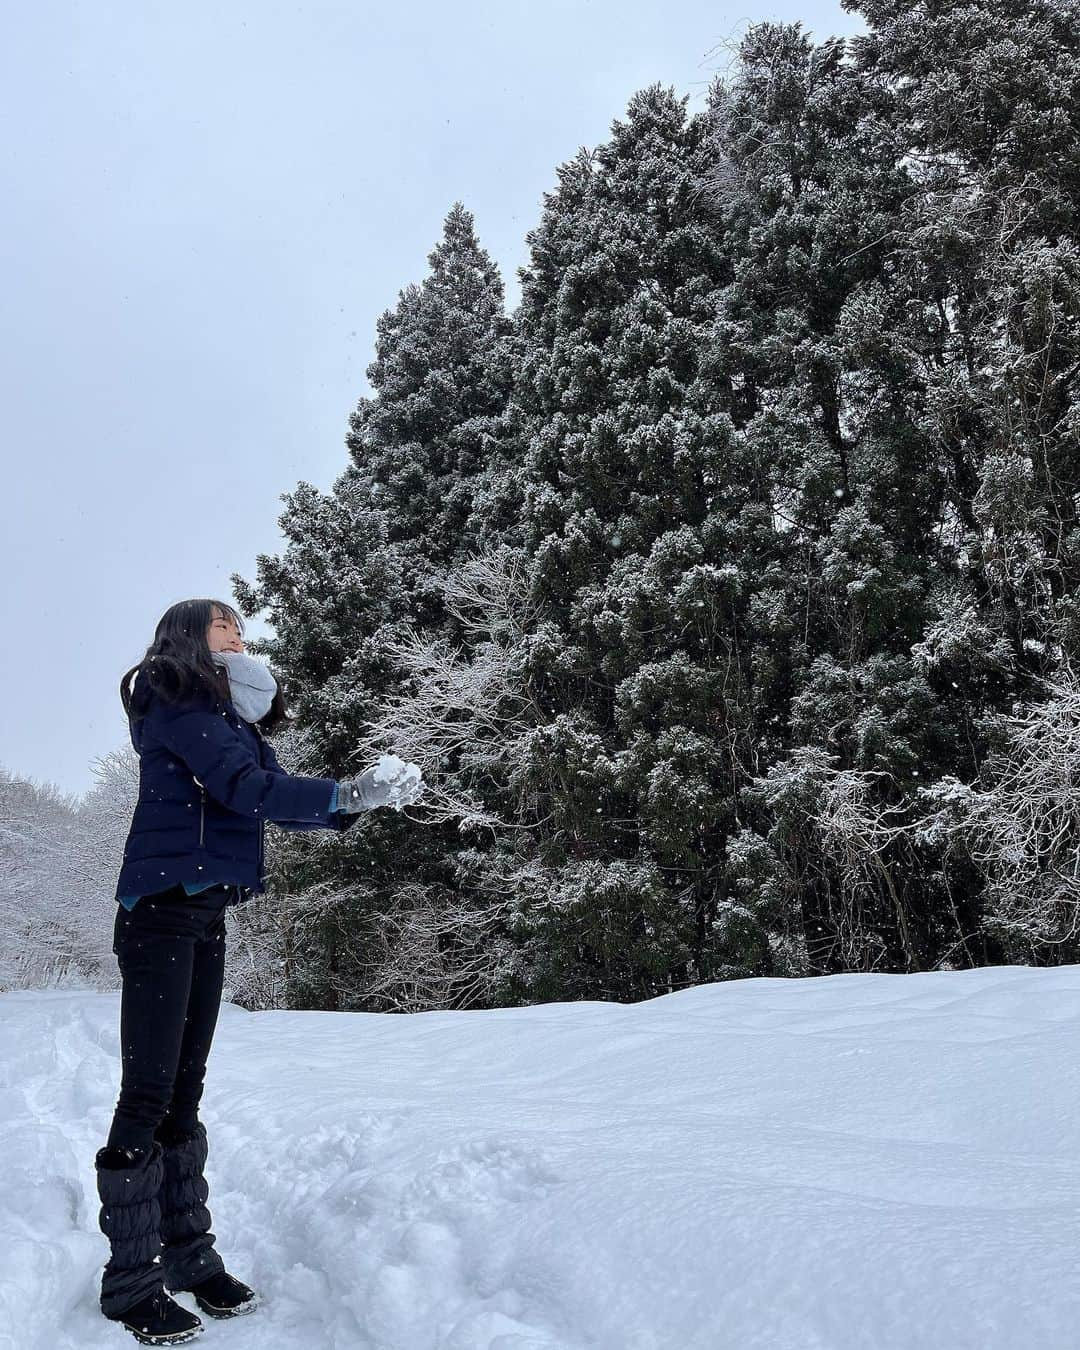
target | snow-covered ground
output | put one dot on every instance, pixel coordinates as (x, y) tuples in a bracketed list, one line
[(852, 1163)]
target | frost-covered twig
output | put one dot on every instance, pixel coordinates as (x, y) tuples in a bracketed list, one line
[(1023, 829), (465, 715)]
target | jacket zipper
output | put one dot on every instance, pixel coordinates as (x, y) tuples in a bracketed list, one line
[(202, 811), (262, 822)]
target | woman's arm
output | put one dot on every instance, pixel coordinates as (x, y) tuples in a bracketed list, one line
[(338, 820), (225, 765)]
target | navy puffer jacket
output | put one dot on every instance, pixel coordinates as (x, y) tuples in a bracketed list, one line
[(208, 781)]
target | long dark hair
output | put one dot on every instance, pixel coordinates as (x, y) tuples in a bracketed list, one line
[(179, 667)]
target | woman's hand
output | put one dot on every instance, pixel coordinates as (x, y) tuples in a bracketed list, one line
[(391, 782)]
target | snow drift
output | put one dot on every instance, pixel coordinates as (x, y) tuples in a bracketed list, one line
[(871, 1162)]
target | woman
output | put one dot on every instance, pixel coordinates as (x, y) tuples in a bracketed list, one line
[(208, 780)]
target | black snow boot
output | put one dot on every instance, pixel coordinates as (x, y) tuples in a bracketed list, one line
[(188, 1254), (188, 1258), (224, 1296), (159, 1320), (132, 1292)]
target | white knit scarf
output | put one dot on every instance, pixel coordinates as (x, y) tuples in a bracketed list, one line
[(250, 683)]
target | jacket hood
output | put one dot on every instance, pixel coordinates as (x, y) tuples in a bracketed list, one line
[(143, 698)]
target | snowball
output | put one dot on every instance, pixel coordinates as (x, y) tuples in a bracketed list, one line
[(402, 778), (389, 767)]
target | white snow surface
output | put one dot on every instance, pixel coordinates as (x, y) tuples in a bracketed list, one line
[(863, 1162)]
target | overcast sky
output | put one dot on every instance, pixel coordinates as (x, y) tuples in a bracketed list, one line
[(206, 206)]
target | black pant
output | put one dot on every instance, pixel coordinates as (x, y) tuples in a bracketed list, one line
[(171, 952)]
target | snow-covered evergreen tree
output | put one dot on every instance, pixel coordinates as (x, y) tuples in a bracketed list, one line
[(363, 569), (810, 180), (879, 272), (641, 665), (985, 263), (440, 378)]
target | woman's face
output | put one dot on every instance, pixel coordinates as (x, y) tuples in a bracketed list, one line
[(223, 634)]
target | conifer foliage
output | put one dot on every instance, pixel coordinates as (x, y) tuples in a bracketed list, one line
[(729, 585)]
